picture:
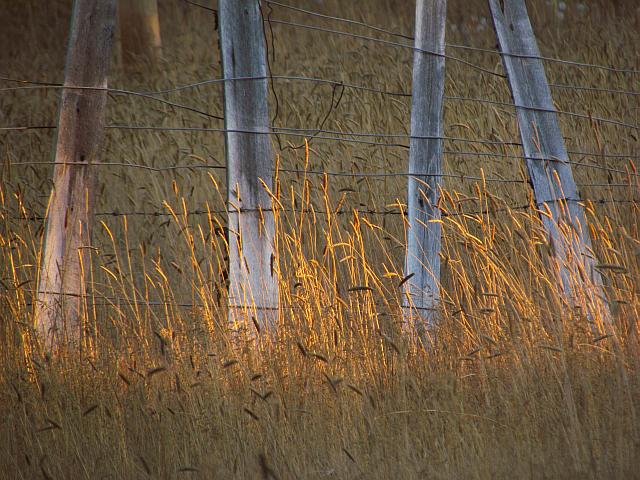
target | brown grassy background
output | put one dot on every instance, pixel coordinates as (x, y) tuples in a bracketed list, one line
[(516, 385)]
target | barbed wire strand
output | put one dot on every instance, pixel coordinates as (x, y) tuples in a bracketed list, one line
[(151, 96), (582, 116), (304, 133), (627, 173), (352, 86), (343, 211), (461, 177)]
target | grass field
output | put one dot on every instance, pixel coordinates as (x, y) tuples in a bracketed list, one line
[(515, 384)]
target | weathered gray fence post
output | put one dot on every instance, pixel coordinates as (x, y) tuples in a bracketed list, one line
[(139, 29), (253, 284), (79, 141), (425, 156), (546, 156)]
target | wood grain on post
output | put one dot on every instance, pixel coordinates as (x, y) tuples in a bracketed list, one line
[(425, 157), (253, 288), (553, 184), (79, 141), (139, 30)]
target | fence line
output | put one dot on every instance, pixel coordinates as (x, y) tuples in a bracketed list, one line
[(594, 89), (118, 91), (329, 173), (320, 211), (358, 138), (304, 133), (116, 301), (336, 83), (291, 132)]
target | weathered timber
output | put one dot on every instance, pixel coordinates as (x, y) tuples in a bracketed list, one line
[(79, 140), (425, 156), (554, 188), (253, 285)]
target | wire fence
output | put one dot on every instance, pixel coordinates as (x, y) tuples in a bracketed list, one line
[(625, 166), (380, 139)]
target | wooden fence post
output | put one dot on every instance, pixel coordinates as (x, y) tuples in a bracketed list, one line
[(253, 283), (79, 141), (546, 157), (422, 267), (139, 29)]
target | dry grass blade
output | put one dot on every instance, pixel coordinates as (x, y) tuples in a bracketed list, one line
[(155, 371), (251, 413), (122, 377), (90, 409)]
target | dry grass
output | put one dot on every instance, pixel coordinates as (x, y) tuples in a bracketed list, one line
[(516, 384)]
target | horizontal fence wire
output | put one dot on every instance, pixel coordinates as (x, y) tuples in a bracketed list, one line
[(329, 173), (343, 305), (154, 96), (33, 85), (312, 134), (107, 300), (92, 300), (341, 136), (343, 211)]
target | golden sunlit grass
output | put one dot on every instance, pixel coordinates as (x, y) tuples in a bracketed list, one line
[(515, 384)]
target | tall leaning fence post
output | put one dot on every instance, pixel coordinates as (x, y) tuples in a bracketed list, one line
[(80, 134), (253, 283), (422, 268), (546, 157)]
